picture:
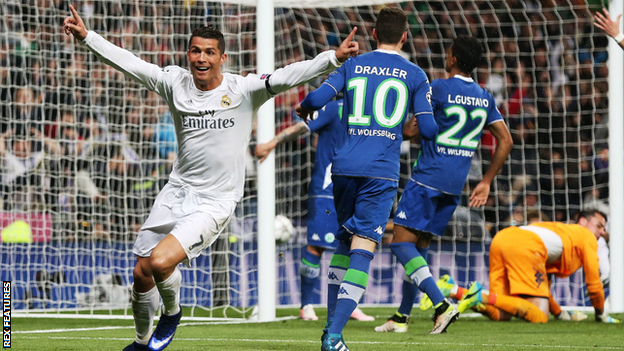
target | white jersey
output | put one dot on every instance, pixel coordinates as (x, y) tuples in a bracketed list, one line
[(213, 127)]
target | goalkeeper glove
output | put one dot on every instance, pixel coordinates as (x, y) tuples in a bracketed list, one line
[(563, 316)]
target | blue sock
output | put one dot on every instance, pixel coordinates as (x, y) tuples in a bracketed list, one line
[(309, 270), (337, 269), (417, 269), (423, 251), (352, 288), (409, 296)]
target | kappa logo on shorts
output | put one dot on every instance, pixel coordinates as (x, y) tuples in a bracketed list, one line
[(402, 215), (199, 243), (539, 277), (379, 230)]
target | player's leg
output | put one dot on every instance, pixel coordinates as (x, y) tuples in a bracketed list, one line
[(322, 229), (517, 277), (145, 301), (145, 295), (309, 271), (532, 309), (344, 203), (351, 289), (399, 320), (373, 202), (421, 213), (201, 222)]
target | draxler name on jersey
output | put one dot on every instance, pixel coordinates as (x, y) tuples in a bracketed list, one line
[(192, 122)]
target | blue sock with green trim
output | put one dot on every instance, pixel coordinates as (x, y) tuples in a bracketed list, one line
[(337, 268), (416, 268), (409, 296), (309, 270), (352, 288)]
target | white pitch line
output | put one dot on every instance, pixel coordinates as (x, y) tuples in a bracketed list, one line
[(354, 342), (44, 331)]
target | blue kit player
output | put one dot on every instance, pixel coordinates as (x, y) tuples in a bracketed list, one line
[(380, 89), (461, 109), (322, 221)]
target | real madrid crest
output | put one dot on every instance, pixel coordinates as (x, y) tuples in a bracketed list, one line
[(226, 101)]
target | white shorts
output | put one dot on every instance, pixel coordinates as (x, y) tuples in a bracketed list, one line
[(195, 221)]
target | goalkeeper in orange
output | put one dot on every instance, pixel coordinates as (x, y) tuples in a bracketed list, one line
[(521, 259)]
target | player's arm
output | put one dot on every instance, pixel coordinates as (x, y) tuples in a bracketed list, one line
[(289, 134), (423, 112), (299, 73), (609, 26), (595, 290), (122, 60), (504, 143)]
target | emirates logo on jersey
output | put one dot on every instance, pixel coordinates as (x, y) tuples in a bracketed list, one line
[(226, 101)]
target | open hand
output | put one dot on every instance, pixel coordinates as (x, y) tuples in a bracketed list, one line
[(74, 25), (604, 22), (479, 195)]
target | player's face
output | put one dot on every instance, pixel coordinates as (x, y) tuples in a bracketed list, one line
[(596, 224), (205, 60)]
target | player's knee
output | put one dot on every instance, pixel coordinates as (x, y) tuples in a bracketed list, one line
[(160, 266)]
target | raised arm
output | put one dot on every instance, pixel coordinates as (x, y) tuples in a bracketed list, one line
[(289, 134), (609, 26), (504, 143), (302, 72), (122, 60)]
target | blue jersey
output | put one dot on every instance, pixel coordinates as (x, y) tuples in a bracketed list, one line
[(327, 126), (461, 109), (380, 89)]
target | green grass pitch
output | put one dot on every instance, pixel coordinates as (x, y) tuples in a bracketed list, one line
[(468, 333)]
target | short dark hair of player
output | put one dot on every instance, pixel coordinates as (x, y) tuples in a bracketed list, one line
[(468, 51), (591, 212), (208, 32), (391, 24)]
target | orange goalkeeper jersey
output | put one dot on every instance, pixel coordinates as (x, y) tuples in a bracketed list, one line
[(580, 248)]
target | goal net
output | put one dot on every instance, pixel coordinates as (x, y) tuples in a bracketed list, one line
[(85, 150)]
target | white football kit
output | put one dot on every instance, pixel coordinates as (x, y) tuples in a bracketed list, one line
[(213, 130)]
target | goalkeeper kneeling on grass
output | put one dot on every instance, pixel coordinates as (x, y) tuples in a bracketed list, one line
[(521, 259)]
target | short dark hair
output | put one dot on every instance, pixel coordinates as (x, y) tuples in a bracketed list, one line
[(208, 32), (591, 212), (468, 51), (391, 24)]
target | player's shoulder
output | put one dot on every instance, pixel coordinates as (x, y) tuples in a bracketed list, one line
[(176, 74), (175, 70)]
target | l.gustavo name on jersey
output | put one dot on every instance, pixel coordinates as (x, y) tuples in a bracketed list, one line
[(454, 152), (468, 101), (372, 133), (192, 122)]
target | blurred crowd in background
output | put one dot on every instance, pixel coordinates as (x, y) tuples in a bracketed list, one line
[(87, 145)]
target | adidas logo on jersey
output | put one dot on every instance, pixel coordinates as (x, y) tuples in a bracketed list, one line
[(402, 215), (379, 230)]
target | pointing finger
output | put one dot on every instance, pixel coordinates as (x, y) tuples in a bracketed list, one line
[(74, 12), (351, 35)]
